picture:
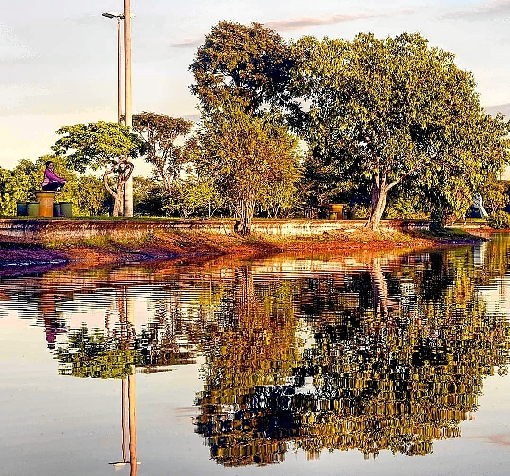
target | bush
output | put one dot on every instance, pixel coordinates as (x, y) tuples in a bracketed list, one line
[(499, 220)]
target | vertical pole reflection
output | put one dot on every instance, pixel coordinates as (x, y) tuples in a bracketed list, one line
[(125, 306), (132, 423), (130, 312), (124, 420)]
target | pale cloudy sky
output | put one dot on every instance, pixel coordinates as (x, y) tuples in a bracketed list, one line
[(58, 57)]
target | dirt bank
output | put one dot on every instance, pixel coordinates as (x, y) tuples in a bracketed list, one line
[(194, 246)]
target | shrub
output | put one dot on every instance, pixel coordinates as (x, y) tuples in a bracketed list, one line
[(499, 220)]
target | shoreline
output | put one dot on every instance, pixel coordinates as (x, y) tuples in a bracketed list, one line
[(194, 246)]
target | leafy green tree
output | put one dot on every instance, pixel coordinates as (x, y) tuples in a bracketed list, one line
[(495, 194), (397, 111), (149, 197), (160, 133), (90, 196), (247, 157), (101, 145), (18, 185), (246, 64), (195, 196)]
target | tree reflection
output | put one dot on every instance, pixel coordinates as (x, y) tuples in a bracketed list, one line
[(397, 361), (387, 353), (246, 406)]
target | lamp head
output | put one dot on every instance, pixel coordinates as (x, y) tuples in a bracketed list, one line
[(117, 15), (113, 15)]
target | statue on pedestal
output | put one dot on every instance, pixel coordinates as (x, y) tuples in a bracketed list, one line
[(478, 211)]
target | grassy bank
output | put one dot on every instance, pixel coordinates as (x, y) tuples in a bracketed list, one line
[(204, 245)]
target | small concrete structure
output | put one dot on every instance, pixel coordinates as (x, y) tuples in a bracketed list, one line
[(339, 211), (46, 200)]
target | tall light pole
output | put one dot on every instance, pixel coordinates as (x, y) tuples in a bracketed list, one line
[(119, 17), (128, 187), (128, 116)]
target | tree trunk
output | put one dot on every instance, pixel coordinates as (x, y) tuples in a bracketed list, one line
[(379, 196), (246, 209), (122, 170), (118, 206), (118, 194)]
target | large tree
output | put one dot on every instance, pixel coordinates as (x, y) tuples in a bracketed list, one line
[(160, 133), (397, 111), (101, 145), (241, 74), (248, 64), (249, 158)]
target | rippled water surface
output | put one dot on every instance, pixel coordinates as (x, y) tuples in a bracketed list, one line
[(369, 364)]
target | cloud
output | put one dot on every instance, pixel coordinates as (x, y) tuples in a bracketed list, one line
[(493, 10), (189, 43), (299, 23), (502, 108)]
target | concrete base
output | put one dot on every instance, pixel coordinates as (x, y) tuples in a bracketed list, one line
[(72, 230)]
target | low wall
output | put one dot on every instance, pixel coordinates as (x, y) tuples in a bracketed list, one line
[(44, 230)]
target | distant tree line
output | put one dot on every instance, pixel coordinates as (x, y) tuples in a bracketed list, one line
[(391, 127)]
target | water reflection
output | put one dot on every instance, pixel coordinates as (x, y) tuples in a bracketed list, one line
[(370, 353), (382, 370)]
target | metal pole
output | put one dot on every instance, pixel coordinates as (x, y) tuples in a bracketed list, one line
[(128, 189), (119, 73)]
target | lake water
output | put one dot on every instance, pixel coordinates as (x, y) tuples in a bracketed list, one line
[(376, 364)]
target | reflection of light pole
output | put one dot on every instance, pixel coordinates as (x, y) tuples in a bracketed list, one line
[(127, 334), (119, 17)]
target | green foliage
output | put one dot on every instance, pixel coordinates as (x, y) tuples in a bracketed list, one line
[(18, 185), (92, 354), (194, 196), (499, 220), (102, 145), (160, 133), (407, 204), (149, 197), (393, 111), (247, 157), (249, 65), (90, 197), (495, 194), (97, 145)]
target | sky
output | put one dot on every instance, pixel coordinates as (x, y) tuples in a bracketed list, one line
[(58, 59)]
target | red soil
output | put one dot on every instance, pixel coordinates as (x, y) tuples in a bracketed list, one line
[(194, 246)]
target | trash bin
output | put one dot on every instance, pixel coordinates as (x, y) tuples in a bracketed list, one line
[(45, 200), (33, 209), (57, 212), (22, 209), (66, 209)]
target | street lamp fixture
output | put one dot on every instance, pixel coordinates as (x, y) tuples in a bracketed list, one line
[(118, 15)]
